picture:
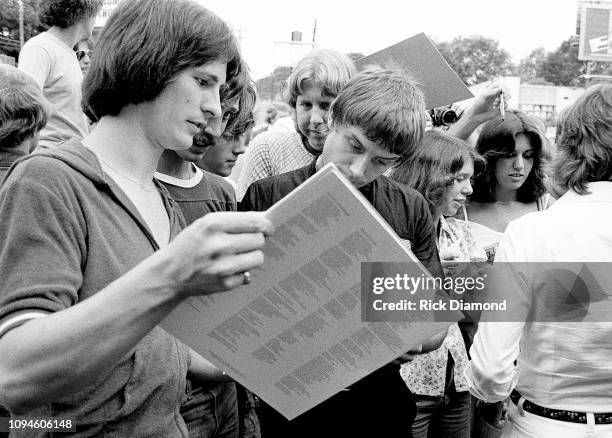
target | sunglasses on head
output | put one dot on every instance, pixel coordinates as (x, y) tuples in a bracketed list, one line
[(80, 54)]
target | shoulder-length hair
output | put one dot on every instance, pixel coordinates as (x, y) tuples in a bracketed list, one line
[(243, 120), (23, 109), (323, 68), (145, 44), (584, 140), (65, 13), (498, 139), (433, 168)]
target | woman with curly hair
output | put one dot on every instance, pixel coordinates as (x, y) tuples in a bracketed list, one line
[(515, 150), (50, 60)]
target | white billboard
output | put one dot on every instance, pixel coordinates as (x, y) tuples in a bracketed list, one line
[(596, 32)]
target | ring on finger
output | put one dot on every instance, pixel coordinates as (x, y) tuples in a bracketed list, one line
[(246, 277)]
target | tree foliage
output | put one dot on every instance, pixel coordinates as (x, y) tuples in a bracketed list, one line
[(528, 67), (562, 66), (9, 23), (476, 58)]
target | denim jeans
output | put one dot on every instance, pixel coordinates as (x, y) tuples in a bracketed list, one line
[(484, 417), (445, 416), (211, 410)]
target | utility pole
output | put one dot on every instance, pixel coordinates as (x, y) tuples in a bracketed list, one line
[(314, 33), (21, 36)]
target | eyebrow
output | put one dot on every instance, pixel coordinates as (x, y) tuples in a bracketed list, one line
[(215, 78), (354, 138)]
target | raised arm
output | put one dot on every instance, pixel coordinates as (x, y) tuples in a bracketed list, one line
[(484, 107)]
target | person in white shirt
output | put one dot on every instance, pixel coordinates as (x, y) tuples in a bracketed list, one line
[(49, 59), (561, 385)]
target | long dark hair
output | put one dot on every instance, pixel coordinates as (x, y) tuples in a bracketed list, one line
[(496, 140)]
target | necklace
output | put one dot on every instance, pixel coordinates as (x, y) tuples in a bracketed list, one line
[(132, 180)]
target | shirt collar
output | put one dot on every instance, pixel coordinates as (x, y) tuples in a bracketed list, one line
[(599, 191)]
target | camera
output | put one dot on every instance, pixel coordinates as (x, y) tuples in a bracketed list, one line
[(443, 116)]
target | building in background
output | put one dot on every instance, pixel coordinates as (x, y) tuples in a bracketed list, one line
[(108, 6)]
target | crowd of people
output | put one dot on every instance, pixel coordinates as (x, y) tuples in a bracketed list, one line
[(116, 205)]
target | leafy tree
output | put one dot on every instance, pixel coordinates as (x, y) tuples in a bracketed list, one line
[(476, 58), (9, 24), (529, 66), (562, 66)]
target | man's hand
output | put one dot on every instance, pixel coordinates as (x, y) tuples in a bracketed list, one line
[(483, 108), (213, 253)]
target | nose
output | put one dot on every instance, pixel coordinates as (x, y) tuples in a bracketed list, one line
[(359, 167), (318, 116), (467, 188), (211, 107), (239, 146), (519, 163)]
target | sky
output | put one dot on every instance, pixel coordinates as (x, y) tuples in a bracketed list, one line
[(264, 26)]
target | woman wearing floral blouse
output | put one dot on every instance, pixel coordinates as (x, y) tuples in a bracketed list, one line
[(441, 172)]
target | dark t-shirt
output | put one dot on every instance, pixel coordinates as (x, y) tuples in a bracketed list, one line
[(211, 194), (403, 208)]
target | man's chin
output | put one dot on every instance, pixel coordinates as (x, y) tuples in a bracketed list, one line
[(193, 156)]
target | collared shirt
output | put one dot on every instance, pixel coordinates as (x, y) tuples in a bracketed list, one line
[(561, 365), (271, 153)]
